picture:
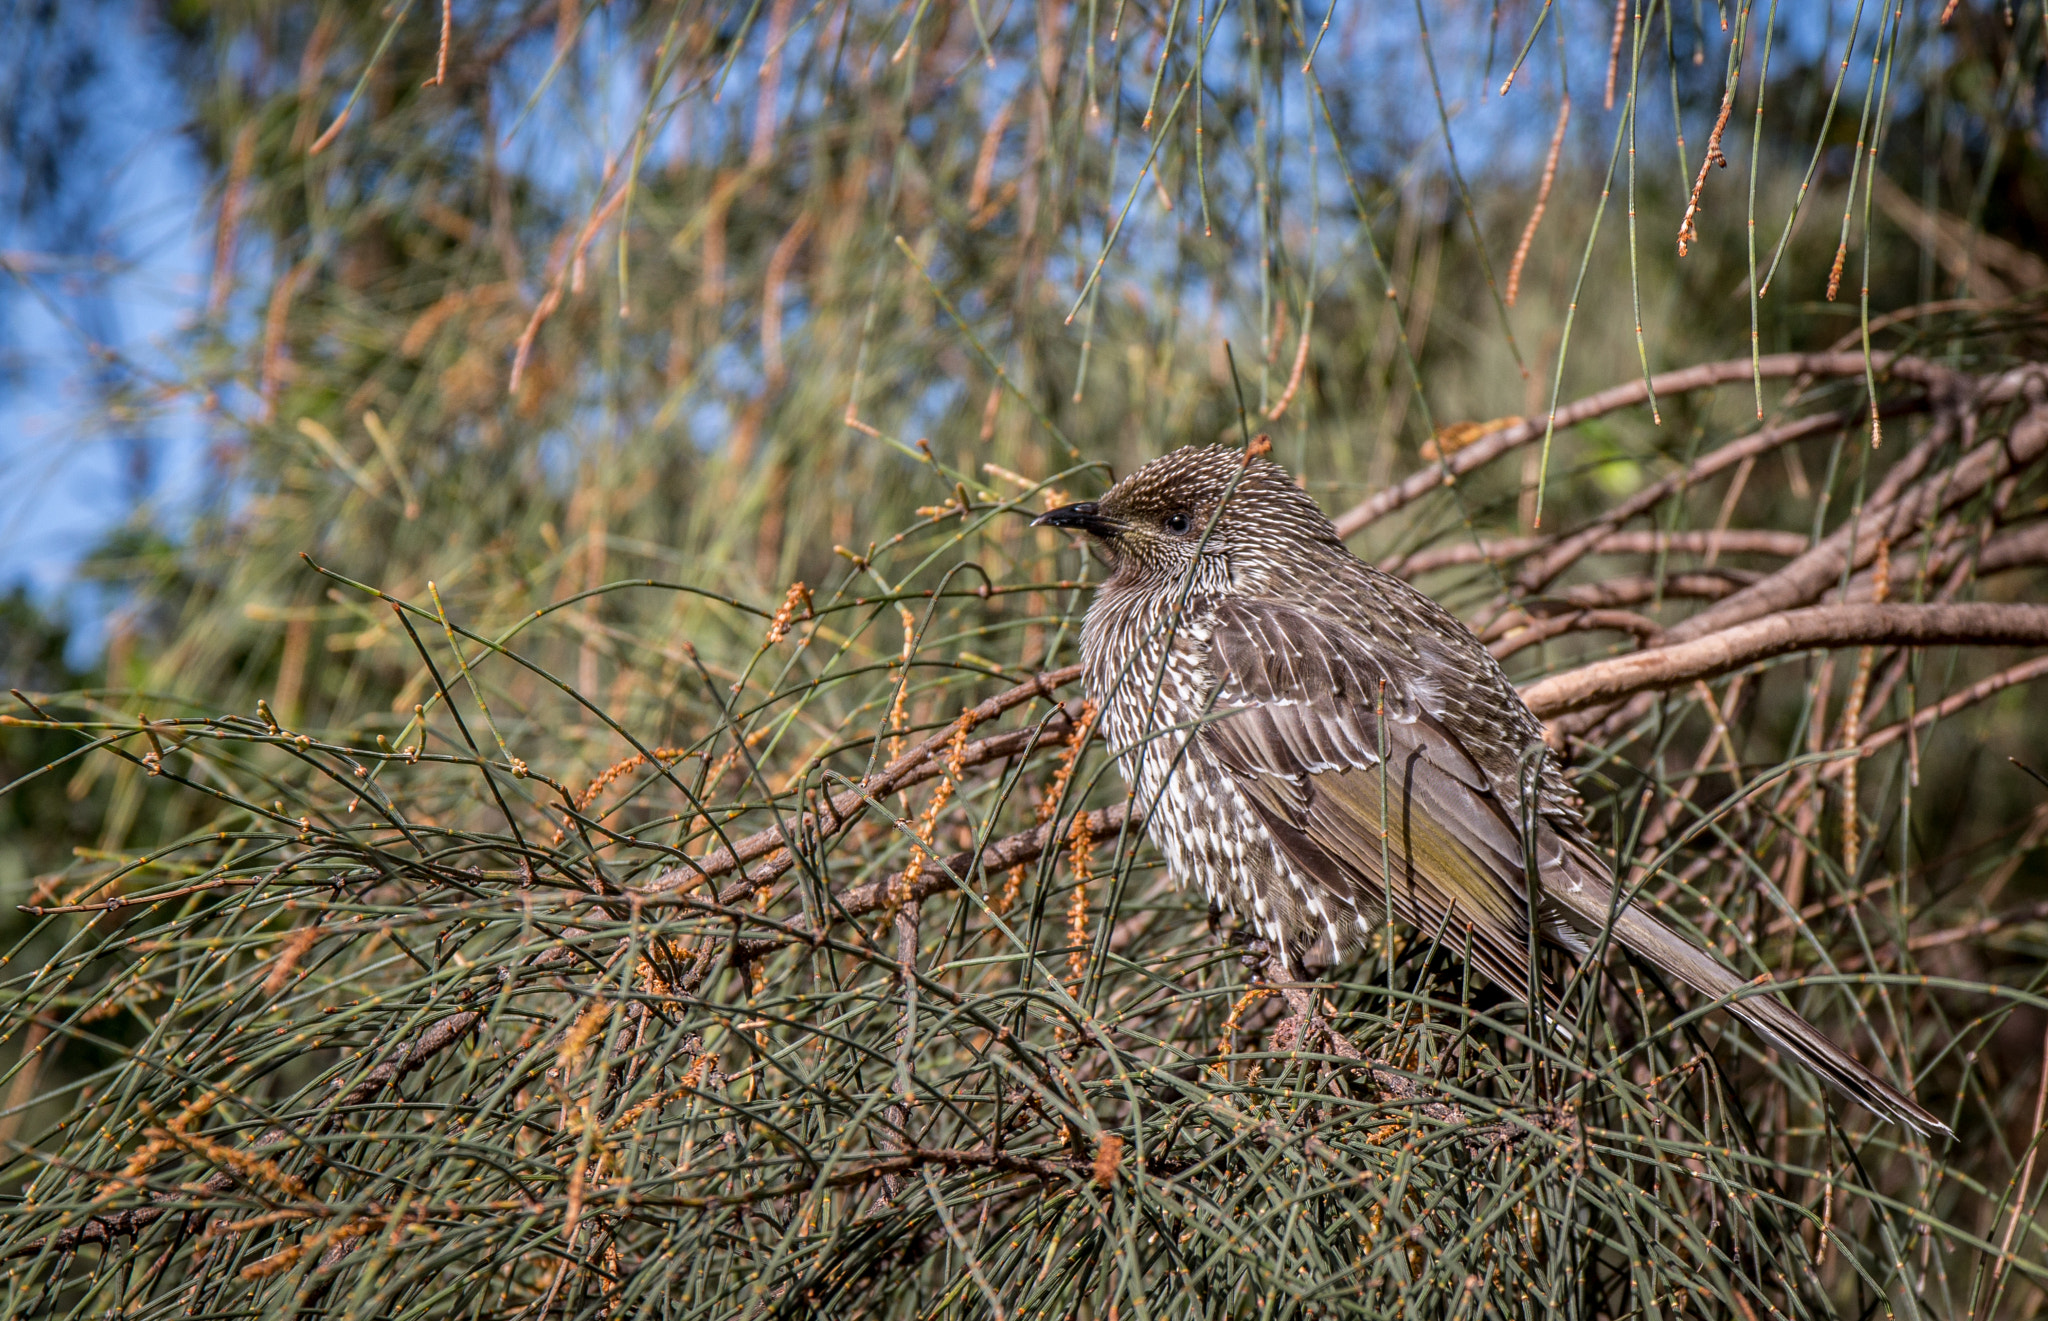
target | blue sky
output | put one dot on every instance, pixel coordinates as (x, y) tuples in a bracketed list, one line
[(130, 280)]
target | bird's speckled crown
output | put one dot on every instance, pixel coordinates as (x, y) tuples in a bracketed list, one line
[(1258, 497)]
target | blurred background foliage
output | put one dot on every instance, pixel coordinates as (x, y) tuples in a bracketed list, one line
[(639, 314), (604, 300)]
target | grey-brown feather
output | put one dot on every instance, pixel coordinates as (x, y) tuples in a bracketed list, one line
[(1257, 682)]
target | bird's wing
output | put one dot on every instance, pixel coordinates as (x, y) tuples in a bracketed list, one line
[(1309, 711), (1308, 715)]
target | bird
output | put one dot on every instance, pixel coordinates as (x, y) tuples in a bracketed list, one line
[(1319, 747)]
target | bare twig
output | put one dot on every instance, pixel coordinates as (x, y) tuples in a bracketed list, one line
[(899, 888), (1570, 549), (1646, 630), (2025, 672), (1504, 550), (1774, 366)]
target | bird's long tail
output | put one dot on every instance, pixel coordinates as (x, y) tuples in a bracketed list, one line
[(1647, 937)]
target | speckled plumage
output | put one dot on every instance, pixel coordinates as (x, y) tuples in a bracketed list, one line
[(1254, 677)]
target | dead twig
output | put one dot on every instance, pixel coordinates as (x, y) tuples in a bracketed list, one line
[(1505, 550)]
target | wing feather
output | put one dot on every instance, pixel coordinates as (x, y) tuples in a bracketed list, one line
[(1353, 762), (1312, 718)]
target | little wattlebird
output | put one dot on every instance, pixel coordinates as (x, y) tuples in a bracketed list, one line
[(1311, 739)]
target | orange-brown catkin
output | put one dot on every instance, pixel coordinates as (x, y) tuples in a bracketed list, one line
[(1081, 849), (289, 952), (928, 825), (1049, 805), (778, 627)]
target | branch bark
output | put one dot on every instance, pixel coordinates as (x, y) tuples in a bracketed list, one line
[(1529, 633), (2024, 672), (1541, 570), (1796, 630), (1894, 510), (1909, 499), (1735, 541)]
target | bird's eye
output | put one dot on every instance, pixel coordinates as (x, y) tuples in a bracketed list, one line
[(1177, 524)]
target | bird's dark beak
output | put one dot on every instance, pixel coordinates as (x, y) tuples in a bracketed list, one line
[(1084, 517)]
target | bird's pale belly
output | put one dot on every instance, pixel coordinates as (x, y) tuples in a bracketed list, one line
[(1212, 840)]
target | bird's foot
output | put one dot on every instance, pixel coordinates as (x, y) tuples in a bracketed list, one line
[(1306, 1029), (1258, 957), (1309, 1031)]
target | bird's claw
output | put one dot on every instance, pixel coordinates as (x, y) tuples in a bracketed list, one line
[(1255, 954), (1307, 1030)]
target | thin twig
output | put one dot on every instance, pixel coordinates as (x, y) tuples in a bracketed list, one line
[(916, 765)]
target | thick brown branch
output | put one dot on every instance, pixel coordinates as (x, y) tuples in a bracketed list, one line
[(1529, 633), (2017, 549), (1894, 512), (2014, 548), (1796, 630), (1614, 593), (1541, 570), (1907, 500)]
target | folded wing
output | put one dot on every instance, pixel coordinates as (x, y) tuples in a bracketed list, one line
[(1375, 796), (1369, 793)]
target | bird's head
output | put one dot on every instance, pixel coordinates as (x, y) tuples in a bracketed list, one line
[(1200, 503)]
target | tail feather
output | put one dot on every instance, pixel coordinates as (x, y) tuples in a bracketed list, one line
[(1647, 937)]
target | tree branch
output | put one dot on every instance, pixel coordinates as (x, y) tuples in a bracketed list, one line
[(1527, 633), (1735, 541), (846, 807), (1795, 630), (1492, 445), (2024, 672), (1569, 549), (1016, 850), (1893, 512)]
